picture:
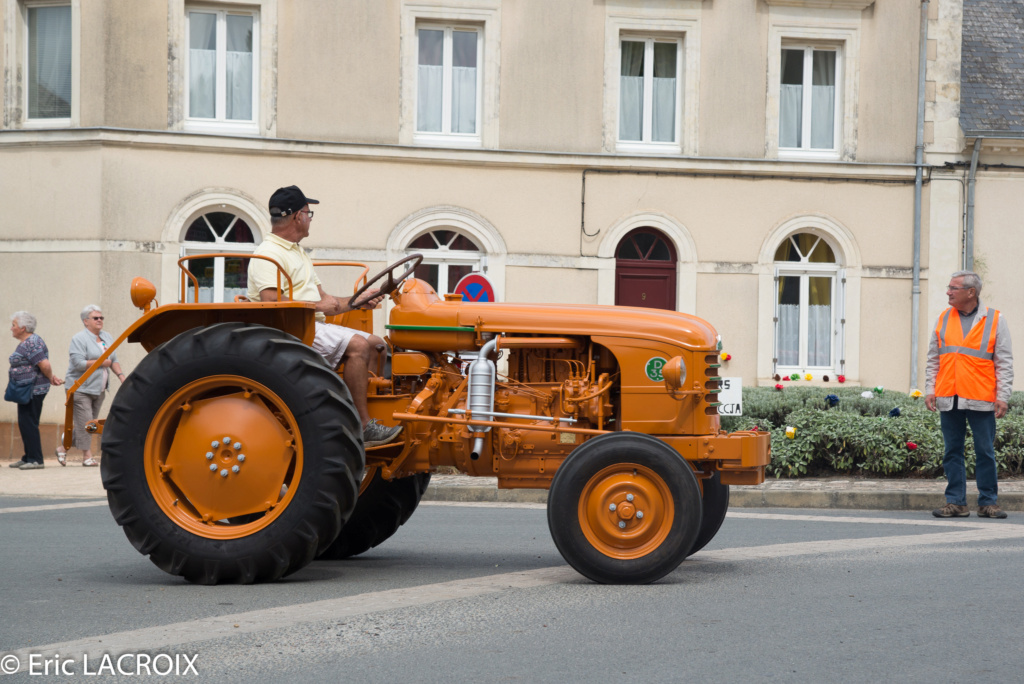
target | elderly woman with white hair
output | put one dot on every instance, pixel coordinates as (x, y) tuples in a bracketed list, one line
[(87, 346), (30, 367)]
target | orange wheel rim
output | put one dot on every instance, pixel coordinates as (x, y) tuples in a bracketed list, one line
[(626, 511), (223, 457)]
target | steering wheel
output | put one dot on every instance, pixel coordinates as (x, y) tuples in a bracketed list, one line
[(390, 286)]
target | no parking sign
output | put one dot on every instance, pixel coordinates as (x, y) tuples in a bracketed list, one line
[(475, 287)]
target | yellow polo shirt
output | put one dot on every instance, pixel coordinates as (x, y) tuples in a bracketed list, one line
[(295, 262)]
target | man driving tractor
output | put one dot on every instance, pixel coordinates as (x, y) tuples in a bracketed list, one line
[(290, 219)]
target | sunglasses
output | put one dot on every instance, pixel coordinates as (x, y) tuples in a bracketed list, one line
[(96, 318)]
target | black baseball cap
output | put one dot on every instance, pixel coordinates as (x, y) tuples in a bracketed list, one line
[(287, 201)]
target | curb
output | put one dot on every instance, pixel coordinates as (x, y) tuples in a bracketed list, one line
[(744, 497)]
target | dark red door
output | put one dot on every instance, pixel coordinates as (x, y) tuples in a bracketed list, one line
[(645, 270)]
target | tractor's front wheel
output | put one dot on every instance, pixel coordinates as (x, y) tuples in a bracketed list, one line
[(624, 508), (232, 454)]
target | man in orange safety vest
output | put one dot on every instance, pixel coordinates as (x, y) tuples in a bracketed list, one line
[(969, 380)]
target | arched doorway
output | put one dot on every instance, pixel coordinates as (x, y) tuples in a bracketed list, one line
[(645, 270)]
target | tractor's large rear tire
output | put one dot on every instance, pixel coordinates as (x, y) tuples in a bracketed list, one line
[(232, 454), (714, 503), (624, 508), (383, 507)]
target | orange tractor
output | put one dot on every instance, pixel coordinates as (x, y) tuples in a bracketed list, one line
[(233, 453)]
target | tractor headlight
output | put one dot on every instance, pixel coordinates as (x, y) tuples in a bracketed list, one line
[(674, 372)]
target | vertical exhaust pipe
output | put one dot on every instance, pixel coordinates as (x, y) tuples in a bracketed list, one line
[(482, 378)]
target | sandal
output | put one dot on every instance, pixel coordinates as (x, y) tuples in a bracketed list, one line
[(62, 457), (90, 462)]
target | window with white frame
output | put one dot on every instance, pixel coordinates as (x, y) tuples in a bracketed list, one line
[(48, 61), (222, 71), (448, 82), (448, 256), (806, 274), (809, 107), (649, 92), (220, 278)]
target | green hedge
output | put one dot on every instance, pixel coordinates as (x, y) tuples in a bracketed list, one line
[(858, 436)]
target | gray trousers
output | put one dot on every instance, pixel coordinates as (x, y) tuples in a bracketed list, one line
[(87, 407)]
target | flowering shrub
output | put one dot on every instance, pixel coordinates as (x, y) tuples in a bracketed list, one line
[(863, 436)]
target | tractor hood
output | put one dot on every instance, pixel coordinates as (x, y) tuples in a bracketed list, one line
[(421, 314)]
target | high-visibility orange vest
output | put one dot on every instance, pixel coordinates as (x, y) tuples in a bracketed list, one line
[(966, 368)]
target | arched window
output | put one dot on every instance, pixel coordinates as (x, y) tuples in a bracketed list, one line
[(806, 324), (645, 270), (220, 279), (448, 255)]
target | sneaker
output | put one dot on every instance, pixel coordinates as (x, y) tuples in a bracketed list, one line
[(62, 457), (17, 464), (992, 511), (952, 511), (32, 465), (376, 434)]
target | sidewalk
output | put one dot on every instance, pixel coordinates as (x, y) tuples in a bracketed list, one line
[(74, 482)]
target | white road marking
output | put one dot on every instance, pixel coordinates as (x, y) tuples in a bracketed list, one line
[(925, 522), (54, 507), (163, 637), (841, 545)]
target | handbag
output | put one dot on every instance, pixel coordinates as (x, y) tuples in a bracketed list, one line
[(19, 393)]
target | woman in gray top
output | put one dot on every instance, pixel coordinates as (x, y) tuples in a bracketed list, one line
[(87, 346)]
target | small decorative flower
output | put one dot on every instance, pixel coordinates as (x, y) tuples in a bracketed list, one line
[(777, 377), (724, 356), (831, 399), (791, 432), (867, 394), (755, 429), (879, 390), (794, 376), (808, 377), (785, 378), (895, 412), (911, 445), (779, 386), (825, 378), (841, 378), (916, 394)]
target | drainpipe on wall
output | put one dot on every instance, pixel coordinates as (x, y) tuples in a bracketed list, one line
[(969, 228), (915, 305)]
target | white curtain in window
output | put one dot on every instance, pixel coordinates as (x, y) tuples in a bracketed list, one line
[(823, 111), (789, 335), (664, 110), (790, 115), (202, 78), (239, 68), (49, 67), (631, 91), (202, 65), (819, 335), (239, 85), (428, 97), (664, 92), (463, 99), (631, 108)]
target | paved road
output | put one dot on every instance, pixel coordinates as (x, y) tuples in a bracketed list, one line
[(477, 592)]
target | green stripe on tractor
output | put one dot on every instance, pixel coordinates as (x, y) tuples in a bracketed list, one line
[(433, 328)]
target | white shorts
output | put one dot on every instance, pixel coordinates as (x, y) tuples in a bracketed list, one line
[(331, 341)]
